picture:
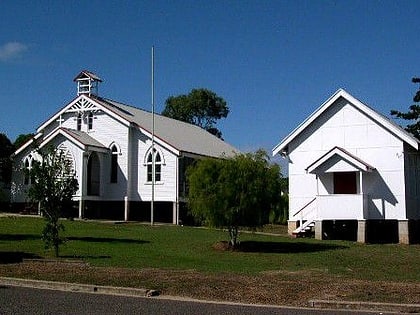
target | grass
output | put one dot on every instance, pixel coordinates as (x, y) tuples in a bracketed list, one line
[(138, 246), (183, 261)]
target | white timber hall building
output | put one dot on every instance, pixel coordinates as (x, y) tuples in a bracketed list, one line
[(353, 174), (110, 147)]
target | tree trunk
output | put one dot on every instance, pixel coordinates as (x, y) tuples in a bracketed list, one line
[(233, 233)]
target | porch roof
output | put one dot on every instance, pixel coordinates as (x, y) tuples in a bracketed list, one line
[(79, 138), (338, 160)]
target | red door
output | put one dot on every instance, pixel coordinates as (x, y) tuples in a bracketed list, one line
[(345, 183)]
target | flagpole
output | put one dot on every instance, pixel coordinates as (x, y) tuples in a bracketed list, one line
[(153, 138)]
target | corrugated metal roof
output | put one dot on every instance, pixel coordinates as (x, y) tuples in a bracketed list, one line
[(180, 135), (83, 138)]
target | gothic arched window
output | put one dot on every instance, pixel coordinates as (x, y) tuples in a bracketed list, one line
[(158, 166), (114, 164)]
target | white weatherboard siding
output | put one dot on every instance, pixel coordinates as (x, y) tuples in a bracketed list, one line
[(165, 190), (346, 123), (127, 128), (370, 142), (109, 131)]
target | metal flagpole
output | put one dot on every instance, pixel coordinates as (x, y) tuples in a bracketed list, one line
[(153, 138)]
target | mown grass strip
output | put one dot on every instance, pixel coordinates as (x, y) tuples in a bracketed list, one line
[(135, 245)]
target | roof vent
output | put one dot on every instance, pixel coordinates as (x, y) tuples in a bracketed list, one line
[(87, 83)]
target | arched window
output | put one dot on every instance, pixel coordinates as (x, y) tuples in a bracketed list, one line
[(68, 157), (158, 166), (90, 121), (114, 164), (28, 164), (79, 121)]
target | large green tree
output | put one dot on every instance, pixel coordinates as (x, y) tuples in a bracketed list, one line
[(6, 150), (200, 107), (22, 139), (234, 192), (53, 186), (413, 113)]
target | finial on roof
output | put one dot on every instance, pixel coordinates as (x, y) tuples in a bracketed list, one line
[(87, 83)]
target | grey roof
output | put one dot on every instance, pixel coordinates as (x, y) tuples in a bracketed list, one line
[(182, 136), (86, 73), (83, 138)]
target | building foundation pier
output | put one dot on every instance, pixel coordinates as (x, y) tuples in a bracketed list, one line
[(361, 231), (403, 232)]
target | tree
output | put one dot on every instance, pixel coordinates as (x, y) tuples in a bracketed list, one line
[(22, 139), (53, 186), (280, 213), (200, 107), (234, 192), (6, 150), (413, 113)]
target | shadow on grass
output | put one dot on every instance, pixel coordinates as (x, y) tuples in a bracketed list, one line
[(285, 247), (15, 257), (19, 237), (106, 240)]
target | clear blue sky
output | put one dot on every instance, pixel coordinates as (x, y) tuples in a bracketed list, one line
[(274, 62)]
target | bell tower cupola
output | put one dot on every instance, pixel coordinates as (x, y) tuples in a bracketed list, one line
[(87, 83)]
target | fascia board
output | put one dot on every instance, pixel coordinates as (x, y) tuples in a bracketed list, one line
[(381, 120), (160, 141), (27, 144), (57, 114), (64, 134), (72, 139), (346, 157), (283, 144), (384, 122)]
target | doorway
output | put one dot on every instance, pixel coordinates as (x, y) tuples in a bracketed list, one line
[(345, 183), (93, 175)]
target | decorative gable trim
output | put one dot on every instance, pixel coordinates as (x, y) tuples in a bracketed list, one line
[(381, 120), (83, 103), (343, 155)]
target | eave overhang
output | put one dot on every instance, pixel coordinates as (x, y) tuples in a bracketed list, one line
[(86, 144)]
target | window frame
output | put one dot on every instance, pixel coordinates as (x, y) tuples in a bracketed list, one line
[(90, 118), (79, 121), (159, 162)]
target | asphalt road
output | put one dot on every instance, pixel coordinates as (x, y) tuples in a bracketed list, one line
[(21, 300)]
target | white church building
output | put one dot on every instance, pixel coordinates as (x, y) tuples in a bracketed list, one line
[(110, 147), (353, 174)]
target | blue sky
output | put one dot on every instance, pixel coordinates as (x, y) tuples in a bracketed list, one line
[(274, 62)]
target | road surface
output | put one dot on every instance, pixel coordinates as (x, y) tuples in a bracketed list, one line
[(22, 300)]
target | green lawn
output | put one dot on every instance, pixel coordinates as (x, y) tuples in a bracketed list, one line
[(133, 245)]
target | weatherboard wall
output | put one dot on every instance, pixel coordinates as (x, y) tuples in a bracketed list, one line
[(345, 126)]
